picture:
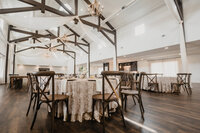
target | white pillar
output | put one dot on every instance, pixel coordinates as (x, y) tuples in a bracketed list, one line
[(183, 51)]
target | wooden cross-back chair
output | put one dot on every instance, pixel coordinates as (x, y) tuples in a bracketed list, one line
[(33, 91), (45, 80), (106, 98), (135, 91), (183, 80), (152, 81)]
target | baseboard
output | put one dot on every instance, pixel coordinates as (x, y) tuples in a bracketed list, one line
[(194, 85)]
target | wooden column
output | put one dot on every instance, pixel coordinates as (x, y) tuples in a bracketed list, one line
[(74, 63), (14, 59), (88, 63), (7, 54), (115, 53)]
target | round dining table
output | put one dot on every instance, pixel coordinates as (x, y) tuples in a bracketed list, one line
[(80, 92)]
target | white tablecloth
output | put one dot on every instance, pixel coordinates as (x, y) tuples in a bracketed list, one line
[(163, 82), (80, 93)]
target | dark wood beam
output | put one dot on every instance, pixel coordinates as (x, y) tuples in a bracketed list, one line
[(82, 48), (179, 5), (18, 51), (79, 43), (63, 6), (14, 59), (75, 33), (76, 6), (30, 33), (107, 37), (7, 54), (85, 16), (21, 39), (43, 6), (102, 17), (47, 8), (96, 26), (20, 9)]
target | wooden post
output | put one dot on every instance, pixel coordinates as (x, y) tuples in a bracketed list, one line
[(88, 65), (14, 59), (7, 54), (115, 56), (74, 63)]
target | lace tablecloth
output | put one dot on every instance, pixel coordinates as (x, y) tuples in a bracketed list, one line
[(163, 82), (80, 93)]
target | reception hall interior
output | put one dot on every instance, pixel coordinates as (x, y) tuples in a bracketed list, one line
[(100, 66)]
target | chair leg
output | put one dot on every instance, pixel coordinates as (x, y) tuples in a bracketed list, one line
[(186, 89), (34, 101), (120, 108), (125, 102), (122, 98), (93, 105), (141, 103), (141, 108), (31, 98), (134, 100), (35, 115), (108, 110)]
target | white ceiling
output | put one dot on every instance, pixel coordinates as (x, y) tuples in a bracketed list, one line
[(137, 10)]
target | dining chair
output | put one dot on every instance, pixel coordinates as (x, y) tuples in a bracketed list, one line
[(135, 91), (152, 81), (45, 80), (33, 91), (106, 98), (183, 80)]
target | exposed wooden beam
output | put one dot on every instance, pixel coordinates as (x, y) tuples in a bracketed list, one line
[(7, 54), (102, 17), (76, 6), (43, 6), (96, 26), (21, 39), (75, 33), (179, 6), (47, 8), (82, 48), (63, 6), (107, 37), (85, 16), (30, 33), (79, 43), (23, 50), (20, 9)]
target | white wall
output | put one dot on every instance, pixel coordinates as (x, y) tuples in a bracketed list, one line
[(24, 69)]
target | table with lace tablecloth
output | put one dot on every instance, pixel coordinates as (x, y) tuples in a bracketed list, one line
[(164, 84), (80, 93)]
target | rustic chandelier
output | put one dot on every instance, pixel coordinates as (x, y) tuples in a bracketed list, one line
[(64, 38), (95, 9)]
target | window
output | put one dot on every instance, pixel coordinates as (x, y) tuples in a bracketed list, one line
[(166, 67), (140, 29)]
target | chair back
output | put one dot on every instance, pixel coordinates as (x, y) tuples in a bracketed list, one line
[(152, 78), (105, 75), (31, 82), (126, 79), (183, 78), (43, 80), (137, 81)]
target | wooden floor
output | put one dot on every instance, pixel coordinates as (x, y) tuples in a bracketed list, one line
[(164, 113)]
